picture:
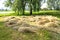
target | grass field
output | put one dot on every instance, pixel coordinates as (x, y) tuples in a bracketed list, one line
[(10, 34), (49, 12)]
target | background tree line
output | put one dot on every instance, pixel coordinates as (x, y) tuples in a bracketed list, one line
[(34, 5)]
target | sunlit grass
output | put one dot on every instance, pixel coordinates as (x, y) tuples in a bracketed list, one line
[(10, 34), (4, 12)]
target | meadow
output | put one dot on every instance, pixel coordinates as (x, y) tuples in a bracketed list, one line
[(7, 33)]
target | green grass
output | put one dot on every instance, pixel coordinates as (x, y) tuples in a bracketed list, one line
[(48, 12), (10, 34), (6, 12)]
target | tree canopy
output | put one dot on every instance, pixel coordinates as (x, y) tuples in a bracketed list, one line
[(34, 5)]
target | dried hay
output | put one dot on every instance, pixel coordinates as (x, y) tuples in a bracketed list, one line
[(27, 29), (21, 23)]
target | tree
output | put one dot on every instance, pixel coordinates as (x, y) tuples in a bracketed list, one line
[(30, 7), (8, 3), (57, 4), (36, 5), (16, 5), (50, 4), (54, 4), (23, 5)]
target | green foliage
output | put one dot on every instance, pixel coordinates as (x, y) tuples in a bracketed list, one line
[(8, 3), (19, 5), (16, 5), (53, 4)]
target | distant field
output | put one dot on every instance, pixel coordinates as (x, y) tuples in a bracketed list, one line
[(10, 34), (3, 12), (44, 12), (28, 11), (6, 13)]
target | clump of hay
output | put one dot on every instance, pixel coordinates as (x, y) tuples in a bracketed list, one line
[(11, 21), (22, 25), (50, 23), (27, 29), (47, 20)]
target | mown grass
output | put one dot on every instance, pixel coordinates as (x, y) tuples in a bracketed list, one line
[(49, 12), (10, 34)]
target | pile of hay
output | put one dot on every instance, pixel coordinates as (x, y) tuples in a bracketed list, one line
[(23, 23)]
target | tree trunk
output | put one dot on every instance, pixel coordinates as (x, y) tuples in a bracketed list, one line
[(18, 12), (23, 6), (30, 7), (34, 7), (30, 10), (38, 6), (23, 10)]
